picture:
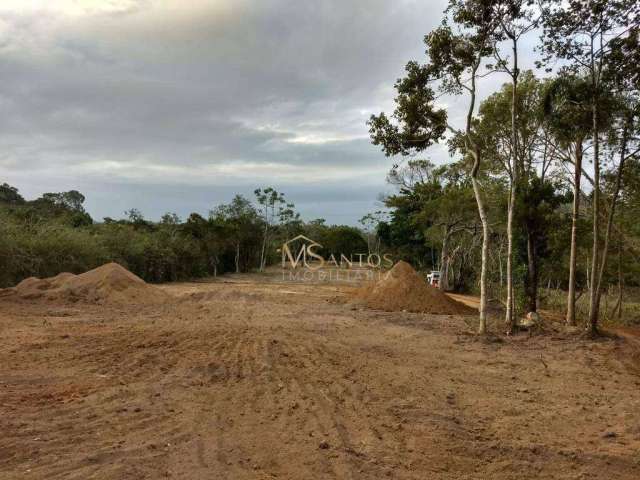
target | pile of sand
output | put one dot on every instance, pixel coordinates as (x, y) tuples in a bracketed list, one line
[(402, 288), (110, 283)]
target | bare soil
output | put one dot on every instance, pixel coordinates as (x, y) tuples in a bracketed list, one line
[(109, 283), (402, 289), (250, 377)]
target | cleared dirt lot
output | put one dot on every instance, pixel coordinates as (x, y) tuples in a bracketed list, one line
[(251, 378)]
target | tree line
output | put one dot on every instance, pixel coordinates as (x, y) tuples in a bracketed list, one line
[(545, 169), (54, 234)]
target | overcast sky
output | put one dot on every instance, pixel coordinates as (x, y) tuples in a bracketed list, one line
[(175, 105)]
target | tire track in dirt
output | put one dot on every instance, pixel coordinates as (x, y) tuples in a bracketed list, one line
[(227, 380), (311, 419), (355, 409), (342, 411), (125, 377), (255, 384)]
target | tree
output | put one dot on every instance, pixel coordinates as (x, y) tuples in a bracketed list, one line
[(403, 231), (270, 202), (515, 19), (338, 240), (370, 223), (71, 200), (10, 195), (568, 117), (584, 34), (450, 211), (629, 114), (408, 227), (136, 218), (534, 161), (289, 223), (210, 236), (65, 205), (241, 220), (454, 63), (538, 202)]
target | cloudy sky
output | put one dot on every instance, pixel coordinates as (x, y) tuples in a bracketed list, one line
[(176, 105)]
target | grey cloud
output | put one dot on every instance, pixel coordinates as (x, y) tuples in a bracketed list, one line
[(152, 103)]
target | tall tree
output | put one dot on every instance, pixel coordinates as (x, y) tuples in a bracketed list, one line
[(534, 160), (455, 58), (516, 19), (583, 33), (568, 117), (241, 219), (271, 203), (9, 194)]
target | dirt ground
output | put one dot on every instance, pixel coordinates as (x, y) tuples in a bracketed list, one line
[(251, 378)]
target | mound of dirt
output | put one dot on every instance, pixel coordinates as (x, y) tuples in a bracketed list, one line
[(110, 283), (402, 288)]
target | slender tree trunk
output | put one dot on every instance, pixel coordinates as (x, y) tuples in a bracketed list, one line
[(571, 298), (510, 319), (619, 305), (501, 273), (588, 276), (473, 149), (264, 248), (532, 273), (443, 284), (612, 210), (592, 324), (237, 259), (509, 314), (482, 328)]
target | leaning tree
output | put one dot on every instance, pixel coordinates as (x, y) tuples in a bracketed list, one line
[(455, 52)]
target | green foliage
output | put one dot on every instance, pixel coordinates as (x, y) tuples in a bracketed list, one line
[(10, 195), (431, 203), (54, 234), (44, 248), (341, 239)]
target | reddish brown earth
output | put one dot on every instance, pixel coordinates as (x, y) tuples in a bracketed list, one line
[(251, 378), (402, 289), (108, 284)]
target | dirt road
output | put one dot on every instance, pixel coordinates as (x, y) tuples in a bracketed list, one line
[(252, 379)]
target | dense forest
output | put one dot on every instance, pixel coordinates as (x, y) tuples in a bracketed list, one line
[(54, 233), (549, 162)]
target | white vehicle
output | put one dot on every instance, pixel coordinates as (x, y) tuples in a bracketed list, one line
[(433, 278)]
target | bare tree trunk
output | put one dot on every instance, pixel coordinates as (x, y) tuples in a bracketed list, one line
[(485, 253), (473, 149), (588, 275), (482, 328), (237, 259), (443, 284), (264, 248), (592, 324), (612, 210), (532, 274), (571, 298), (509, 314), (500, 268), (510, 319), (619, 304)]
